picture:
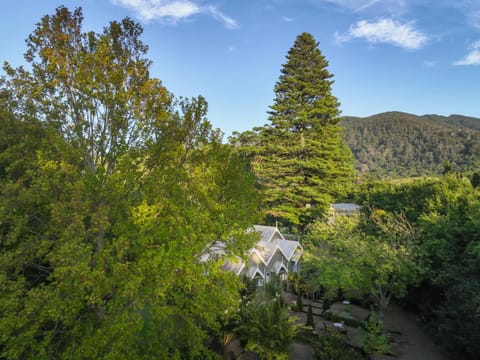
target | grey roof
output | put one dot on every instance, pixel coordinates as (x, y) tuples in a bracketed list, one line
[(267, 232), (346, 207), (288, 247), (234, 266), (271, 239)]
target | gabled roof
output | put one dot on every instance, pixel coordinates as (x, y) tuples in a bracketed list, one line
[(271, 241), (267, 232), (288, 247)]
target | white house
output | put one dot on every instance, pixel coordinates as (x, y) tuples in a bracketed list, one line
[(273, 254)]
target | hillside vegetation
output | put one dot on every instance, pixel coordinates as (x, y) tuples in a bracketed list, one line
[(398, 144)]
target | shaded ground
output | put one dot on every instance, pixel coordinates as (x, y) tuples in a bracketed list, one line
[(410, 340), (412, 343)]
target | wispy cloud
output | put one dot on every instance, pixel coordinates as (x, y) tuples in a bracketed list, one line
[(473, 57), (469, 8), (287, 19), (352, 4), (429, 63), (474, 18), (364, 5), (387, 31), (173, 10), (217, 14)]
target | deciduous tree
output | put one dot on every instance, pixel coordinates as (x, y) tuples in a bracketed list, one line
[(108, 216), (382, 264)]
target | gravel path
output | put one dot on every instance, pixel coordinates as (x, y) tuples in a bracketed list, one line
[(412, 343)]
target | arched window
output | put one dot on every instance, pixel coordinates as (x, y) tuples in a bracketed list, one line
[(259, 281)]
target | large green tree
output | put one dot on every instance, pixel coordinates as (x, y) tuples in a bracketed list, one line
[(446, 212), (301, 157), (112, 195), (382, 263)]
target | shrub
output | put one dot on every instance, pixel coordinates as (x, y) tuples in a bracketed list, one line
[(265, 327), (332, 346), (326, 304), (310, 322), (299, 304), (373, 339), (344, 316)]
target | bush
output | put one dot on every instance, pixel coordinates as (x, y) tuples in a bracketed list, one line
[(326, 304), (310, 322), (299, 304), (332, 346), (373, 339), (344, 316)]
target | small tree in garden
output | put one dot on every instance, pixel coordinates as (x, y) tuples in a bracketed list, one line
[(266, 327), (310, 321), (326, 304), (299, 304), (331, 346), (373, 339)]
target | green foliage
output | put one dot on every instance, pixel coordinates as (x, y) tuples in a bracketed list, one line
[(346, 317), (299, 302), (300, 159), (332, 346), (395, 144), (326, 304), (445, 211), (310, 322), (373, 339), (266, 327), (475, 179), (382, 260), (112, 197)]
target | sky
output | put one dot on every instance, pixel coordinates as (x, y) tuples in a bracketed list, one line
[(416, 56)]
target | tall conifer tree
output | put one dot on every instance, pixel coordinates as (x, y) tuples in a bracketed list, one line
[(302, 161)]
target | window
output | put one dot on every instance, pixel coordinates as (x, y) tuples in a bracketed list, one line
[(259, 280)]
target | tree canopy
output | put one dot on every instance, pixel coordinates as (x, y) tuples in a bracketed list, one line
[(112, 193), (445, 211), (381, 260)]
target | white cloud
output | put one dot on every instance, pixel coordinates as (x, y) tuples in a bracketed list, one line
[(352, 4), (473, 57), (363, 5), (386, 31), (287, 19), (228, 21), (173, 10)]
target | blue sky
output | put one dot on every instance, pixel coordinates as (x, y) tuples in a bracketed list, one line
[(418, 56)]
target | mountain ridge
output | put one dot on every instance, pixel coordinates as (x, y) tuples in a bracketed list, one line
[(400, 144)]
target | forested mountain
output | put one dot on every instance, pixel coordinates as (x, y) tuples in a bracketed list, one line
[(399, 144)]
